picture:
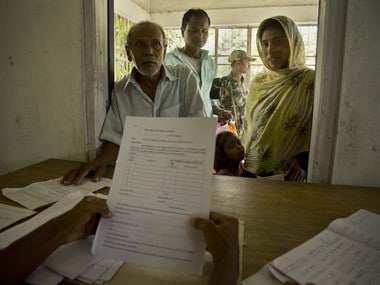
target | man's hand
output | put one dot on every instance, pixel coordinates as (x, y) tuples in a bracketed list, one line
[(24, 255), (221, 235), (83, 219), (98, 166), (76, 176)]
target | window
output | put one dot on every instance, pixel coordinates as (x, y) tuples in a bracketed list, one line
[(309, 34), (121, 28), (229, 39), (223, 40)]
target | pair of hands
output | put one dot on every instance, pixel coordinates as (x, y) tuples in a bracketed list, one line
[(220, 233)]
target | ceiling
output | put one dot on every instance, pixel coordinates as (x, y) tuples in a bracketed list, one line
[(162, 6)]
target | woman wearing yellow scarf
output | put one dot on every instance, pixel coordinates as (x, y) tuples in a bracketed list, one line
[(279, 104)]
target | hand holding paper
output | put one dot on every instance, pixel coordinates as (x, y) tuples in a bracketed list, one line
[(162, 179)]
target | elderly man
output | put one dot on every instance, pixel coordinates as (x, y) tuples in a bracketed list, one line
[(151, 90)]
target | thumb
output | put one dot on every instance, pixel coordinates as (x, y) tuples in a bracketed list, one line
[(208, 228), (199, 223)]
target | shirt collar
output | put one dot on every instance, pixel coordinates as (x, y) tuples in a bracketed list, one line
[(131, 78), (204, 53)]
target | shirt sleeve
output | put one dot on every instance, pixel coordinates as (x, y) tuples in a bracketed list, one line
[(194, 103), (112, 128)]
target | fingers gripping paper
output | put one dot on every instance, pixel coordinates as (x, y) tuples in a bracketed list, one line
[(162, 179)]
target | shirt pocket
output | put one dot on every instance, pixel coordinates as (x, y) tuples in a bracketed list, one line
[(172, 111)]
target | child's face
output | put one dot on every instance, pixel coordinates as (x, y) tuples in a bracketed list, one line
[(233, 148)]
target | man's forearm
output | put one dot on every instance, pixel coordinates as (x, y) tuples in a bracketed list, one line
[(108, 154), (24, 255)]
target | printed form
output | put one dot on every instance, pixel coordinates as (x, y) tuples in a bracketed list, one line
[(162, 178)]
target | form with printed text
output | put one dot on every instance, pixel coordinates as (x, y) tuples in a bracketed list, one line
[(162, 179)]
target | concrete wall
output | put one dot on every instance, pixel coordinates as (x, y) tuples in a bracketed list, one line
[(131, 11), (246, 16), (357, 157), (41, 89), (53, 72), (346, 127)]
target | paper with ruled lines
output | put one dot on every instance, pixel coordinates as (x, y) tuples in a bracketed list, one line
[(347, 252), (162, 179)]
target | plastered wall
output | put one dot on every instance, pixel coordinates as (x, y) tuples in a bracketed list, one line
[(357, 156), (41, 89)]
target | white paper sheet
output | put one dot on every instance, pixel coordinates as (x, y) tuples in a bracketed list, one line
[(10, 214), (331, 259), (111, 271), (345, 253), (44, 276), (162, 178), (262, 277), (279, 177), (72, 259), (44, 193), (75, 261), (94, 273), (362, 226)]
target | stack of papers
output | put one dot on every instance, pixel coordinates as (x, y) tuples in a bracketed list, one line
[(59, 208), (47, 192), (85, 267), (73, 260)]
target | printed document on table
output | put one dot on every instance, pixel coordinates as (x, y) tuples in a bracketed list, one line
[(43, 193), (10, 214), (18, 231), (162, 178)]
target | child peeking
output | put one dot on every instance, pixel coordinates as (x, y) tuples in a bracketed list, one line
[(229, 154)]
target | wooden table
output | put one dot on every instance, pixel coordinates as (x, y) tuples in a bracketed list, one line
[(278, 215)]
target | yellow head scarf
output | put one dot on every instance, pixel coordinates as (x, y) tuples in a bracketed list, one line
[(279, 106)]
